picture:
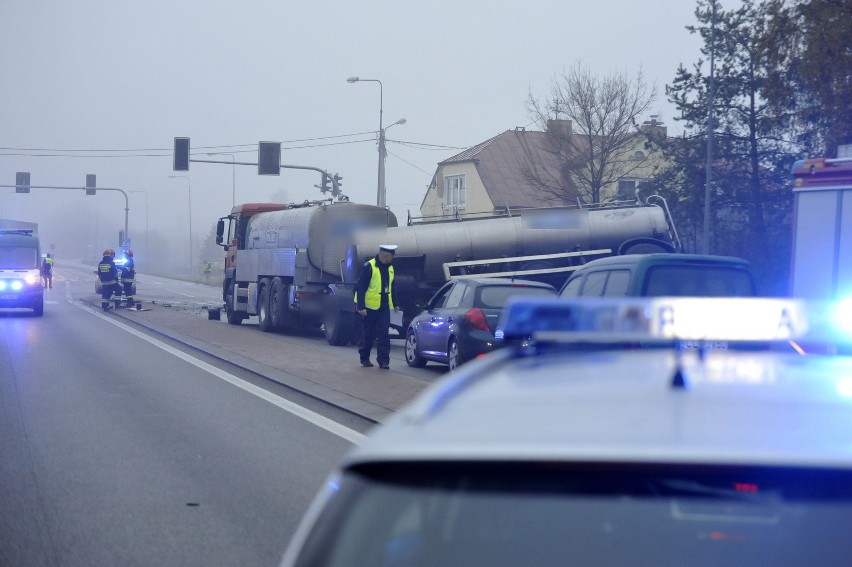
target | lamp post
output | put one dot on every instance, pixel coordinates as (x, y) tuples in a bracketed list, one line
[(382, 155), (380, 191), (146, 219), (189, 193), (233, 175)]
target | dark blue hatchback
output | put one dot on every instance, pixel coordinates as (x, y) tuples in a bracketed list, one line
[(459, 321)]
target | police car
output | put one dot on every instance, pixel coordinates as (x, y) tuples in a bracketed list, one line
[(605, 440)]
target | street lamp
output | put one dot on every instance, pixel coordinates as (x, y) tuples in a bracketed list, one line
[(189, 193), (380, 191), (233, 175)]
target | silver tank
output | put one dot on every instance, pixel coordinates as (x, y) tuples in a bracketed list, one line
[(535, 231), (325, 231)]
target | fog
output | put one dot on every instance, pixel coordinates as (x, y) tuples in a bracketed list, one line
[(103, 87)]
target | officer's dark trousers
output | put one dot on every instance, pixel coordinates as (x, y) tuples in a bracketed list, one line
[(375, 328)]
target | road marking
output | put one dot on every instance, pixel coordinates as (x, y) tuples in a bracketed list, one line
[(320, 421)]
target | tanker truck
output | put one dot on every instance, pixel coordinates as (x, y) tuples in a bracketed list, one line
[(295, 266)]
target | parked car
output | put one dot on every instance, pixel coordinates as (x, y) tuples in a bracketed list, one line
[(459, 322), (656, 275)]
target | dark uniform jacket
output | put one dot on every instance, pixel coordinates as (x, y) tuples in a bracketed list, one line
[(107, 271), (128, 271)]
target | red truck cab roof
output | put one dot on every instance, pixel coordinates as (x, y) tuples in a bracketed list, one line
[(822, 172), (249, 209)]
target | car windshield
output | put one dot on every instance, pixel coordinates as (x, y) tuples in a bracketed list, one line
[(703, 281), (18, 258), (500, 514), (496, 296)]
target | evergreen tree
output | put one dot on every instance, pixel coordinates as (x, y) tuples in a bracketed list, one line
[(809, 84), (750, 196)]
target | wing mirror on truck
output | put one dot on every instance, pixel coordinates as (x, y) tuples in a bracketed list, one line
[(220, 231)]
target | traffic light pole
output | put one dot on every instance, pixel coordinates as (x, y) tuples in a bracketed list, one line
[(335, 179), (126, 200)]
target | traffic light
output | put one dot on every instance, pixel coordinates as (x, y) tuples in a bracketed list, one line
[(325, 181), (22, 182), (269, 158), (91, 183), (338, 181), (181, 157)]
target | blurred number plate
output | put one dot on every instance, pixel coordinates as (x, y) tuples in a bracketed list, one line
[(711, 345), (8, 297)]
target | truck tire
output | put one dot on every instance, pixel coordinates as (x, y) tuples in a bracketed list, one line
[(338, 326), (264, 320), (645, 246), (38, 308), (277, 304), (233, 317)]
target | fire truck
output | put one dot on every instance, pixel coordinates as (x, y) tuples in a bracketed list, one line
[(821, 266), (295, 266)]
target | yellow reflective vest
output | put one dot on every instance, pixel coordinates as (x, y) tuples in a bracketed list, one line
[(373, 297)]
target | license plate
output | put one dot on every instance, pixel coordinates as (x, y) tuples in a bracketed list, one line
[(709, 345), (8, 297)]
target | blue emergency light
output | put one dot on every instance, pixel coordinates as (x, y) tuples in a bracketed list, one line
[(665, 320)]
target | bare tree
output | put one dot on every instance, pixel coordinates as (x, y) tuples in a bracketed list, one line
[(592, 123)]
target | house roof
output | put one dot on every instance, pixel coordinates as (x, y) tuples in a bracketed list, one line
[(502, 163)]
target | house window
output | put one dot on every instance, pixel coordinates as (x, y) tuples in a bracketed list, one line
[(454, 192), (627, 189)]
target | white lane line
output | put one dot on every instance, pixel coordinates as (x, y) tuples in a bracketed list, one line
[(320, 421)]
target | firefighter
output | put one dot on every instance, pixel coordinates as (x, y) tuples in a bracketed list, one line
[(374, 298), (108, 274), (128, 278)]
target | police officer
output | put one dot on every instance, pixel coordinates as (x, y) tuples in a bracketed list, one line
[(108, 274), (128, 277), (47, 272), (374, 298)]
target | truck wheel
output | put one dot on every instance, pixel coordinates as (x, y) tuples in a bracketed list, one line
[(38, 308), (338, 326), (232, 317), (264, 321), (277, 304)]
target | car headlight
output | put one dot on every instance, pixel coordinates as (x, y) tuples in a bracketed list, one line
[(32, 278)]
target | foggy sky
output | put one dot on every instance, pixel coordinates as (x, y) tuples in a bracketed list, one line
[(119, 75)]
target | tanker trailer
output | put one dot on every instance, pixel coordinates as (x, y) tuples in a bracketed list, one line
[(284, 264), (544, 244)]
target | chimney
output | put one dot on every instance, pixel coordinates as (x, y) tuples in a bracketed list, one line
[(654, 127), (560, 128)]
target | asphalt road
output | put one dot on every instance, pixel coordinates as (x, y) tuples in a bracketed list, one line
[(120, 446)]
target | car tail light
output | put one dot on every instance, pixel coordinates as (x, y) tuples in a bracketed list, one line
[(475, 319)]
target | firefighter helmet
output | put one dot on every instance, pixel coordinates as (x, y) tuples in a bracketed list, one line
[(109, 252), (129, 253)]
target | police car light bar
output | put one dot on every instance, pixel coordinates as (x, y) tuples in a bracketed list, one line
[(673, 319)]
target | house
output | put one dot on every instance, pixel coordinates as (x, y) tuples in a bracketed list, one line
[(523, 168)]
